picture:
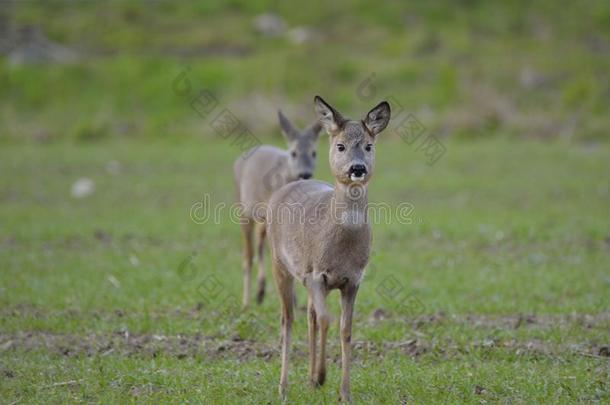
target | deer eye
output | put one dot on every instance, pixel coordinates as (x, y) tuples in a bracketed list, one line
[(293, 154), (340, 147), (313, 153), (368, 147)]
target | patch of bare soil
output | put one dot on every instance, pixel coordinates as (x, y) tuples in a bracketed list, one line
[(198, 346), (377, 316), (517, 321), (124, 343)]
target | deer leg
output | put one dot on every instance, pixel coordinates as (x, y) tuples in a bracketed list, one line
[(285, 287), (313, 332), (318, 292), (262, 233), (348, 297), (247, 229)]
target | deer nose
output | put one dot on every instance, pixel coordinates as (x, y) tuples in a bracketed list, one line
[(358, 170), (305, 176)]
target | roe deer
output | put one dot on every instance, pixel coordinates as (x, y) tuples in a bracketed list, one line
[(265, 170), (326, 242)]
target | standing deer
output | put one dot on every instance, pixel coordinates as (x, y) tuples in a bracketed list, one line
[(265, 170), (326, 241)]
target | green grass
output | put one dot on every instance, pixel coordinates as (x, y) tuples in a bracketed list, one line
[(499, 230), (397, 379)]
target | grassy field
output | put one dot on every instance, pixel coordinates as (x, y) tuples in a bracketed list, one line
[(501, 278), (493, 288)]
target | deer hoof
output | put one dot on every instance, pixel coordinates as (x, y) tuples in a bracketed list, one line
[(261, 294)]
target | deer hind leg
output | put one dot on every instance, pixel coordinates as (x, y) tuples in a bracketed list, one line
[(262, 233), (247, 229), (285, 287)]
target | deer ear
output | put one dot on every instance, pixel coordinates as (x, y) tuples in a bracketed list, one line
[(313, 131), (289, 131), (378, 118), (329, 118)]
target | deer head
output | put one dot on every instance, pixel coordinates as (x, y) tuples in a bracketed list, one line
[(301, 147), (352, 143)]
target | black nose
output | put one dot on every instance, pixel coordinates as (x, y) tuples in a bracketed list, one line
[(359, 170), (305, 176)]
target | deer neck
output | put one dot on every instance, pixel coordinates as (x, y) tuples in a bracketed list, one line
[(350, 205)]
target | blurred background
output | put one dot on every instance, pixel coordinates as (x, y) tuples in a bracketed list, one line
[(91, 71), (498, 143)]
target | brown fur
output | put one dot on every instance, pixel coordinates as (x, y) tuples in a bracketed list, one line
[(265, 170), (320, 236)]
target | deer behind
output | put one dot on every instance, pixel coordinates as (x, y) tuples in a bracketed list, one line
[(320, 236), (265, 170)]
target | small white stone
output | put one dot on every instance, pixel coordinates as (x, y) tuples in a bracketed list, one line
[(83, 187), (114, 281), (133, 259)]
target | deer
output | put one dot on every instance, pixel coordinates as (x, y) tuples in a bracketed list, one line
[(325, 242), (257, 174)]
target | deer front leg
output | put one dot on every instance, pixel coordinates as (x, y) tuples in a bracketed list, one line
[(319, 292), (348, 298), (313, 332), (287, 317), (262, 232), (247, 229)]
